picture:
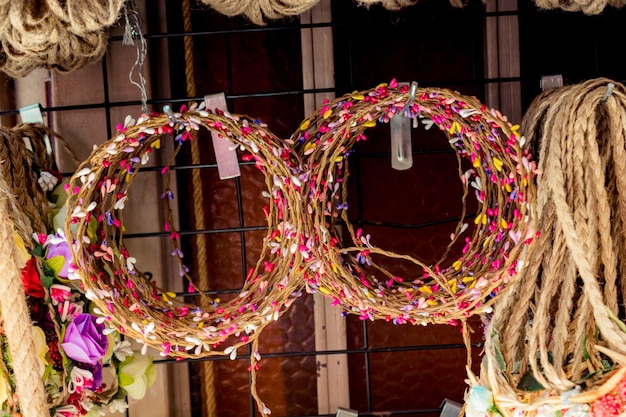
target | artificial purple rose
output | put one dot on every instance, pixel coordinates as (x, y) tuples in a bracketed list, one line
[(58, 246), (84, 341), (96, 370)]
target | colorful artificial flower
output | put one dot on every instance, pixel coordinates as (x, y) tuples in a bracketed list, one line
[(21, 254), (137, 373), (79, 357), (84, 341), (58, 254), (41, 347), (479, 403), (31, 280)]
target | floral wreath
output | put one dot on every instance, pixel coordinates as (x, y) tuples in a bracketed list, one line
[(304, 176), (127, 298), (501, 174), (80, 365)]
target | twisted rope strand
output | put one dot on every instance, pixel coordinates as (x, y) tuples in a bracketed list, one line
[(208, 372), (54, 34), (260, 11), (555, 321)]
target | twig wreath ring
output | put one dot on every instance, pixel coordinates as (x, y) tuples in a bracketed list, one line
[(129, 301), (501, 175)]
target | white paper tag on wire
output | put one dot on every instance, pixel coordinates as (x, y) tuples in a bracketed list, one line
[(226, 157), (32, 114)]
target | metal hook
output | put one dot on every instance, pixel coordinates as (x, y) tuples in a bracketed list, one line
[(168, 111), (411, 98), (609, 90)]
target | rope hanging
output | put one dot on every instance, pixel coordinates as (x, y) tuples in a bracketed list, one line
[(61, 35), (208, 372), (559, 330), (589, 7), (260, 11)]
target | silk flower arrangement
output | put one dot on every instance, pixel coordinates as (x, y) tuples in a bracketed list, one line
[(80, 367)]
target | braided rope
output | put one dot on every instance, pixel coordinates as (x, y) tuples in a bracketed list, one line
[(23, 206), (559, 322), (31, 393)]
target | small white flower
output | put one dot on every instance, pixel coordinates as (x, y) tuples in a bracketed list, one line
[(47, 181), (122, 350), (78, 378), (120, 204), (65, 411), (130, 263), (266, 410), (117, 406)]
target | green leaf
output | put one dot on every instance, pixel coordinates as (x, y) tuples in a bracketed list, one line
[(529, 383), (47, 281), (37, 251), (607, 366), (500, 359), (55, 264), (126, 380)]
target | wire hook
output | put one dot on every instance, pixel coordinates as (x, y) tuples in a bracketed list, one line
[(609, 90), (411, 99), (168, 111)]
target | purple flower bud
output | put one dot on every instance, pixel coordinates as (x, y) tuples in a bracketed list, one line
[(83, 341)]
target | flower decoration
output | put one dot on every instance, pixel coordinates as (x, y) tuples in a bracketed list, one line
[(610, 401), (479, 403), (304, 176), (129, 302), (137, 373), (501, 175), (72, 347), (84, 340), (5, 388)]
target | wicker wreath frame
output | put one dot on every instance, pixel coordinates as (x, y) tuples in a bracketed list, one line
[(502, 175), (153, 316)]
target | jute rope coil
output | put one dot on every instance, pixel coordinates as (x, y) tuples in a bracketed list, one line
[(137, 308), (559, 329), (61, 35), (16, 323), (260, 11), (590, 7), (494, 253)]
